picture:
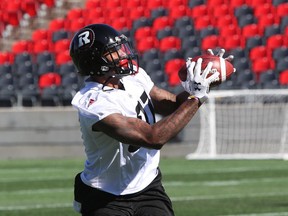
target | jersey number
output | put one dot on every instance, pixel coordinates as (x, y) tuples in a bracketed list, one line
[(145, 112)]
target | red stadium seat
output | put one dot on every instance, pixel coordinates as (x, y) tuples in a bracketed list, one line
[(63, 57), (173, 66), (222, 21), (137, 12), (12, 17), (264, 9), (283, 78), (259, 52), (6, 57), (75, 13), (49, 79), (267, 20), (202, 22), (116, 13), (251, 30), (262, 64), (276, 41), (75, 24), (282, 10), (199, 11), (171, 69), (162, 22), (112, 3), (170, 42), (135, 3), (229, 30), (155, 4), (101, 19), (41, 46), (92, 13), (220, 10), (173, 80), (179, 11), (142, 32), (49, 3), (21, 46), (93, 4), (147, 43), (256, 3), (121, 23), (211, 41), (232, 42), (236, 3), (30, 7), (41, 34), (212, 3), (12, 5), (57, 24), (61, 45), (175, 3)]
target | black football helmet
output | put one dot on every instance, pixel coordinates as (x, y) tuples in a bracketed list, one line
[(93, 50)]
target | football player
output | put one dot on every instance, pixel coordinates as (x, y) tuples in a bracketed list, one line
[(122, 138)]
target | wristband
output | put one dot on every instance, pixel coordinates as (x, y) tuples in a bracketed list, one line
[(196, 98), (192, 97)]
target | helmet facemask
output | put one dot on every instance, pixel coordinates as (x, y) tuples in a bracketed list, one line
[(120, 58)]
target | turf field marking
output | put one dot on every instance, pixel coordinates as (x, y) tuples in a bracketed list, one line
[(166, 184), (66, 169), (226, 196), (224, 183), (40, 191), (174, 199), (262, 214), (221, 170), (36, 206), (33, 179), (37, 170)]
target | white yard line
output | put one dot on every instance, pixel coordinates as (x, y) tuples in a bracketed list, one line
[(174, 199), (225, 196), (220, 170), (38, 191), (262, 214), (36, 206), (224, 183), (166, 184)]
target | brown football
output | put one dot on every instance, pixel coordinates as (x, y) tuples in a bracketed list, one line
[(224, 67)]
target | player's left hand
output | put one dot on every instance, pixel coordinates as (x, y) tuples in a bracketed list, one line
[(198, 82)]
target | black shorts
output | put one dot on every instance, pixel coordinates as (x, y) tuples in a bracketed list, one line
[(152, 201)]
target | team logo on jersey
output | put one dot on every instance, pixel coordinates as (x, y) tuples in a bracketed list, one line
[(91, 101), (85, 38)]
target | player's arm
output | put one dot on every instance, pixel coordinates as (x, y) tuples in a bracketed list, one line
[(137, 132), (166, 102)]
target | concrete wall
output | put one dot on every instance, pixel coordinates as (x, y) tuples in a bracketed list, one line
[(38, 126), (54, 132)]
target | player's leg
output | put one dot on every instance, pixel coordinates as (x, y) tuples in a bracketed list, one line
[(92, 202), (155, 202), (112, 209)]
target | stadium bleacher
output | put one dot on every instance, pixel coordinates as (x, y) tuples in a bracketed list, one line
[(35, 37)]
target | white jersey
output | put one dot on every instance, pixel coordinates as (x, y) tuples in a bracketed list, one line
[(112, 166)]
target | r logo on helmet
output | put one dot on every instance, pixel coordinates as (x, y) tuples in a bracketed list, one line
[(85, 38)]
